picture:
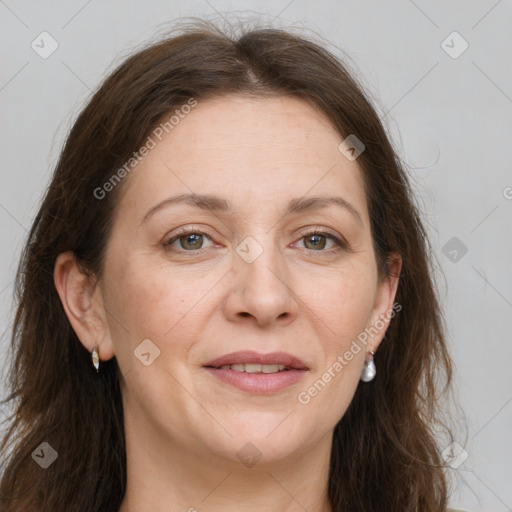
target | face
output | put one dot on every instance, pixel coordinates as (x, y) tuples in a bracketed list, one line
[(248, 278)]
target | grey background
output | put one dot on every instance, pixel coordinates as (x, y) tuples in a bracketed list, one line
[(450, 118)]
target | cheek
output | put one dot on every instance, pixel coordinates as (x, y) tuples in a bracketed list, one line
[(147, 302), (346, 303), (344, 309)]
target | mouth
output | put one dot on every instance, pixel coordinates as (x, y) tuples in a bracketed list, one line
[(254, 368), (258, 373), (253, 362)]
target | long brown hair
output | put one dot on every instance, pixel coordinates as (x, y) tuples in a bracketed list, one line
[(384, 452)]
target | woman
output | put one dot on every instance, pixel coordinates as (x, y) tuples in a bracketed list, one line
[(225, 300)]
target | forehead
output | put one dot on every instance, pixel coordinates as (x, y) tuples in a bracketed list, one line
[(257, 151), (239, 123)]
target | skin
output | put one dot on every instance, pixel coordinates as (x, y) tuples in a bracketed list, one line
[(184, 428)]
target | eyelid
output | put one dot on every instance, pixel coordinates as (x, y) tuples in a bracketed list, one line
[(185, 231), (320, 230), (338, 239)]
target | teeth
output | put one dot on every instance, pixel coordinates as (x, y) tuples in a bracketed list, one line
[(254, 368)]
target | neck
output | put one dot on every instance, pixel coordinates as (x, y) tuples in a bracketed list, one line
[(163, 475)]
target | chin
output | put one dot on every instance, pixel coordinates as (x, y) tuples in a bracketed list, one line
[(269, 439), (257, 452)]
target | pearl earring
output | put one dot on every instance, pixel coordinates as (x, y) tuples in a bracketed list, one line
[(95, 359), (369, 371)]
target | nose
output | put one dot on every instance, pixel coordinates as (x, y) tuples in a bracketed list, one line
[(262, 290)]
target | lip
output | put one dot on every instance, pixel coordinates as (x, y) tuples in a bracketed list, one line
[(251, 357), (258, 383)]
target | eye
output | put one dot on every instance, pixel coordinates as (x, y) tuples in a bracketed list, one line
[(190, 240), (317, 240)]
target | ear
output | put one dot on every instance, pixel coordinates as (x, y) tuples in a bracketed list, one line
[(384, 308), (83, 304)]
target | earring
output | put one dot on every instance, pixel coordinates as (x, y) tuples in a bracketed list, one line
[(369, 370), (95, 359)]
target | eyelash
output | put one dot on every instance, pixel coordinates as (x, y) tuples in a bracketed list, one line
[(340, 244)]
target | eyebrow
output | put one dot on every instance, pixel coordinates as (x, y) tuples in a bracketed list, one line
[(219, 204)]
